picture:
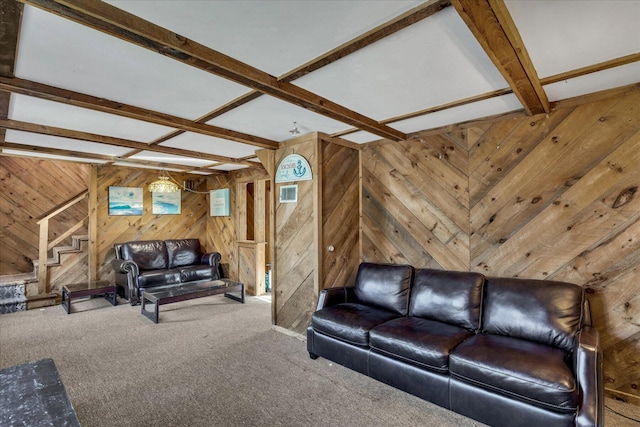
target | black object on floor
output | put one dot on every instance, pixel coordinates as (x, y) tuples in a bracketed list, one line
[(32, 394)]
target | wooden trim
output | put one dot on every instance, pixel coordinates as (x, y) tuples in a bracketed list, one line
[(596, 96), (317, 217), (491, 24), (601, 66), (10, 21), (119, 142), (399, 23), (64, 96), (118, 23)]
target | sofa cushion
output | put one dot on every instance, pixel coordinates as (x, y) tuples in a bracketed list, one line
[(453, 297), (423, 342), (183, 252), (147, 254), (533, 372), (153, 278), (385, 286), (543, 311), (192, 273), (350, 322)]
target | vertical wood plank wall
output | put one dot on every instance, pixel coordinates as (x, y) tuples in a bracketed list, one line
[(545, 197)]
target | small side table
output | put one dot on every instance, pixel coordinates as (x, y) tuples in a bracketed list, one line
[(78, 290)]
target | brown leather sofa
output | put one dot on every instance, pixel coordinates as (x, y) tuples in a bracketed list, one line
[(146, 264), (503, 351)]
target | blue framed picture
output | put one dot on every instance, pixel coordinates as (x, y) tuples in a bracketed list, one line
[(219, 202), (166, 203), (125, 201)]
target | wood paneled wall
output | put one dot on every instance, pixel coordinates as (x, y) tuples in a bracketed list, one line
[(221, 231), (190, 223), (30, 188), (546, 197)]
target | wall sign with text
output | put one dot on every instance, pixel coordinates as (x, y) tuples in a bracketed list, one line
[(294, 167)]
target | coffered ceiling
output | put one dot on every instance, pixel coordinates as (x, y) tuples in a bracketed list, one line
[(200, 86)]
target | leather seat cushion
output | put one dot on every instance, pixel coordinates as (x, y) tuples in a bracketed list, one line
[(533, 372), (350, 322), (198, 272), (183, 252), (423, 342), (153, 278)]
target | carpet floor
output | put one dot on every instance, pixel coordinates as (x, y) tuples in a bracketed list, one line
[(209, 362)]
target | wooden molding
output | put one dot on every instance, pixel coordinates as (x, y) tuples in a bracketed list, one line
[(492, 26), (616, 62), (118, 23)]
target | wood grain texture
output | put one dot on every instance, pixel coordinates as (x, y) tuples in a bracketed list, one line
[(29, 189), (549, 197)]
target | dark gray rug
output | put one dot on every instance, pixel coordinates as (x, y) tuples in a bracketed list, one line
[(32, 394)]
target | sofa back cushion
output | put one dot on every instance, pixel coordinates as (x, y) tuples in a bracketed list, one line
[(543, 311), (453, 297), (148, 254), (384, 285), (183, 252)]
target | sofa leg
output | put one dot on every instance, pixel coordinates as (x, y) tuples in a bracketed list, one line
[(313, 356)]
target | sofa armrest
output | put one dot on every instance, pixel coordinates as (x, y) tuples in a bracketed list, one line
[(211, 258), (333, 296), (126, 276), (589, 374)]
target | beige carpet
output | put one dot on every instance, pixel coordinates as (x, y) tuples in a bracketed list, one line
[(209, 362)]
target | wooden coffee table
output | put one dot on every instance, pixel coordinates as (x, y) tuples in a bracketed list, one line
[(86, 289), (187, 291)]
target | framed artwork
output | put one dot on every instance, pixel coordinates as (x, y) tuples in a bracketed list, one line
[(166, 203), (219, 201), (125, 200)]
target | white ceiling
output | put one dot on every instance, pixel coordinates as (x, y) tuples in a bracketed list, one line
[(433, 62)]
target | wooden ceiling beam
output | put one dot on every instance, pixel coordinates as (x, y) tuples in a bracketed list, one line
[(118, 23), (102, 158), (119, 142), (43, 91), (493, 27), (10, 20)]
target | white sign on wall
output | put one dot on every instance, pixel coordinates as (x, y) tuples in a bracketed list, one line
[(294, 167)]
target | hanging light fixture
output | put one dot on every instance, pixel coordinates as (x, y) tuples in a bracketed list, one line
[(163, 185), (294, 130)]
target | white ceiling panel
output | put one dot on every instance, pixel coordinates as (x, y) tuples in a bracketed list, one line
[(271, 118), (20, 153), (360, 137), (64, 54), (430, 63), (169, 158), (229, 167), (211, 145), (602, 80), (259, 33), (50, 113), (489, 107), (59, 143), (566, 35)]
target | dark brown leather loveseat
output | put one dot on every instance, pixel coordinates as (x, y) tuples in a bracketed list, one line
[(145, 264), (504, 351)]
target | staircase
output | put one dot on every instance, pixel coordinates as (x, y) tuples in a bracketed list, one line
[(13, 287), (19, 292)]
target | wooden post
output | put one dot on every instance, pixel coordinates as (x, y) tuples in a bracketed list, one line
[(93, 223), (42, 256)]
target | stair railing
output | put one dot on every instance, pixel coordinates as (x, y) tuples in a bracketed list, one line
[(43, 243)]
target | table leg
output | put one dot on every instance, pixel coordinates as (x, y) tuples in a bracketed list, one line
[(66, 301)]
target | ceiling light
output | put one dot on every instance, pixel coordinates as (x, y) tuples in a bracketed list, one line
[(295, 128), (163, 185)]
